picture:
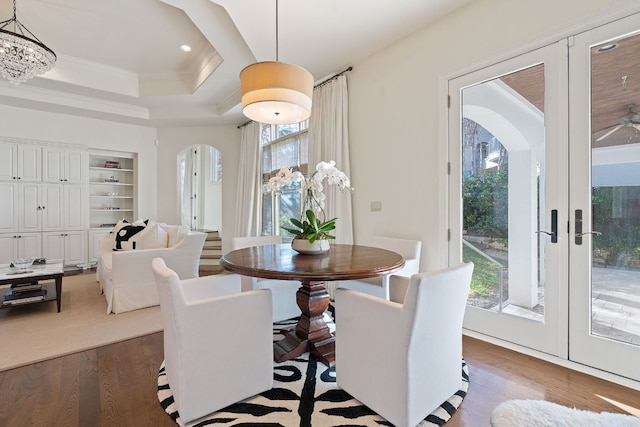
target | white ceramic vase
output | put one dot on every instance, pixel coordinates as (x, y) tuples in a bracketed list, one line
[(303, 246)]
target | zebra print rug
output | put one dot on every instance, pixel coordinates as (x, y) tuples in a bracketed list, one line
[(305, 394)]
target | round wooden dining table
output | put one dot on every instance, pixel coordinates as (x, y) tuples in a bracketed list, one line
[(341, 262)]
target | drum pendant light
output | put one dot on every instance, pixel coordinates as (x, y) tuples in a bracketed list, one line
[(275, 92)]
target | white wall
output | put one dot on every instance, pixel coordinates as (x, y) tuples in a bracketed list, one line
[(397, 109), (170, 142), (92, 133)]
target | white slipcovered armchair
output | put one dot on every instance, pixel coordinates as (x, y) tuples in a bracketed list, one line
[(380, 286), (218, 341), (126, 278), (283, 291), (403, 360)]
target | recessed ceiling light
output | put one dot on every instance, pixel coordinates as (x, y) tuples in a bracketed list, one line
[(185, 48), (607, 47)]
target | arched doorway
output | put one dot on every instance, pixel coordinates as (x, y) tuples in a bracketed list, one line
[(200, 187)]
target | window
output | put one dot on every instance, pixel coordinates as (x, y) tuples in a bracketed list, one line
[(215, 165), (282, 146)]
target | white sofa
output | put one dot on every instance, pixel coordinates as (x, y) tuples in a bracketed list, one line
[(126, 277)]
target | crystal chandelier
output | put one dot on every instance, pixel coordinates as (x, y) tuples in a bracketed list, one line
[(22, 56)]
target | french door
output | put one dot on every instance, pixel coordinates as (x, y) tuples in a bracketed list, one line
[(604, 202), (545, 197), (508, 192)]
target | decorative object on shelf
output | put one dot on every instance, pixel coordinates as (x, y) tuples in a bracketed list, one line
[(111, 179), (312, 226), (276, 92), (22, 56), (111, 164)]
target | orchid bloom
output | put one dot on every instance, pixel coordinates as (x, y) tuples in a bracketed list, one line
[(313, 186)]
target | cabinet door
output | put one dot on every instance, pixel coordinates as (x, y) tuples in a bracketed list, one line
[(30, 208), (52, 164), (74, 167), (74, 207), (29, 245), (29, 163), (75, 248), (53, 245), (52, 207), (8, 161), (94, 243), (8, 207), (8, 248)]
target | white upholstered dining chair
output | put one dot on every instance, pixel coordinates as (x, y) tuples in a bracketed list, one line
[(283, 291), (218, 341), (379, 286), (403, 360)]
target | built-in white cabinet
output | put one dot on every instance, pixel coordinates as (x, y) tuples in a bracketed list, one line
[(20, 162), (43, 201), (95, 236), (41, 207), (8, 207), (67, 245), (62, 165), (8, 162), (20, 245), (74, 207)]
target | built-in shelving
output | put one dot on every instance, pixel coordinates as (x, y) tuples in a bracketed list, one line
[(111, 188)]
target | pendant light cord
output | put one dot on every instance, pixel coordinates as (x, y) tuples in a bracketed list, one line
[(276, 30)]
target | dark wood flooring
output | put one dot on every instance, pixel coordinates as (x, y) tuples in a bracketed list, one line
[(115, 385)]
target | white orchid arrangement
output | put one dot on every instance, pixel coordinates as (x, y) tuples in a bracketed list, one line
[(310, 226)]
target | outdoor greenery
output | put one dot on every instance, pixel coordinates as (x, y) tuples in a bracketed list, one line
[(485, 211), (485, 280), (618, 243)]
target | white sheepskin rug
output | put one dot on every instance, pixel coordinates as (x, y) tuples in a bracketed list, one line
[(539, 413)]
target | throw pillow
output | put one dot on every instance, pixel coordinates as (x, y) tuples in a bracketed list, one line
[(175, 233), (121, 223), (123, 235), (151, 237)]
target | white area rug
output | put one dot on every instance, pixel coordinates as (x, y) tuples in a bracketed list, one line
[(36, 332), (540, 413)]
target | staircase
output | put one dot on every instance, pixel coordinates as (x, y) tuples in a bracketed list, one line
[(211, 254)]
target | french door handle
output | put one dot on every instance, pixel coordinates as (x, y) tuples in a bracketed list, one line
[(578, 232), (554, 227)]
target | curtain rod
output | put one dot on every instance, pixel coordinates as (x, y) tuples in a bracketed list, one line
[(332, 77), (322, 83)]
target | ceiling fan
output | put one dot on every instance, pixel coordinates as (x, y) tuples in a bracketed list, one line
[(631, 119)]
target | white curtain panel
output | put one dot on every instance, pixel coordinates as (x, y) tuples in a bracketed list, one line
[(329, 140), (249, 182)]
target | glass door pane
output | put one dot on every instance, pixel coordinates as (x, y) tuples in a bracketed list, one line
[(503, 165), (605, 198), (615, 174), (507, 183)]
